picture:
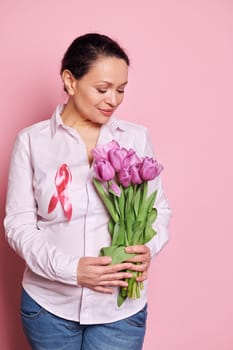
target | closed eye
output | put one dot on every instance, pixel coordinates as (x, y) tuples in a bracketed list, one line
[(102, 91)]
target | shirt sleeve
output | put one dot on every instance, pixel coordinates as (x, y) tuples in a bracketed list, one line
[(20, 222), (161, 204)]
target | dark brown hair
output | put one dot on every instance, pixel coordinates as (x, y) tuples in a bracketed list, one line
[(86, 49)]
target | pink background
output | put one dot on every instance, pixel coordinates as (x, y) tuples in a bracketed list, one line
[(181, 81)]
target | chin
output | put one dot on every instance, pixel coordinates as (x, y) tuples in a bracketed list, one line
[(101, 120)]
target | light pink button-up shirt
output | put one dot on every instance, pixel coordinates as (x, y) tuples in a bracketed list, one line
[(50, 245)]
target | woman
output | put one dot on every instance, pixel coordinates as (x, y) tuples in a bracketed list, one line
[(57, 223)]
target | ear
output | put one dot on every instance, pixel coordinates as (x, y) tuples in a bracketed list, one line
[(69, 81)]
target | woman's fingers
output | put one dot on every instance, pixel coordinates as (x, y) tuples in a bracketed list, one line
[(141, 261), (142, 251), (118, 267), (143, 277), (116, 276), (97, 274), (137, 249), (140, 258), (105, 261), (141, 267)]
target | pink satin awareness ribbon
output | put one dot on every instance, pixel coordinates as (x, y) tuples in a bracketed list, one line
[(63, 179)]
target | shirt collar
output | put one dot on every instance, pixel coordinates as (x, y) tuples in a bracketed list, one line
[(56, 121), (116, 124)]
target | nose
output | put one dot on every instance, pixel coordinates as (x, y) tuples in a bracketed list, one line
[(112, 99)]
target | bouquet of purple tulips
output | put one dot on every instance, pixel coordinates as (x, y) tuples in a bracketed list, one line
[(122, 184)]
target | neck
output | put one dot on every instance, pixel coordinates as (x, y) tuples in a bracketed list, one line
[(72, 118)]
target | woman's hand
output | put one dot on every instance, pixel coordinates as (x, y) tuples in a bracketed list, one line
[(143, 257), (97, 274)]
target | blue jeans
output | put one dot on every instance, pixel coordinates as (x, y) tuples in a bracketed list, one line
[(46, 331)]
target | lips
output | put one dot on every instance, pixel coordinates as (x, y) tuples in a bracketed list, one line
[(106, 112)]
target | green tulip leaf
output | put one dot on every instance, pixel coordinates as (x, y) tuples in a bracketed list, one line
[(144, 192), (137, 236), (121, 238), (121, 201), (106, 200), (111, 226), (137, 226), (137, 200), (115, 233), (121, 299), (150, 201), (116, 204), (117, 253), (151, 217), (149, 233)]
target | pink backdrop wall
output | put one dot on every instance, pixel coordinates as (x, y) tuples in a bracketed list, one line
[(181, 87)]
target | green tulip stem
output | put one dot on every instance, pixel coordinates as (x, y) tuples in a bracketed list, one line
[(131, 217)]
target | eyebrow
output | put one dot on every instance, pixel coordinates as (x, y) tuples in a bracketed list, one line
[(109, 83)]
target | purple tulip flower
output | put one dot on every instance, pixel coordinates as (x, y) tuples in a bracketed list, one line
[(115, 189), (124, 177), (134, 171), (101, 151), (150, 169), (122, 158), (104, 170), (116, 157), (131, 158)]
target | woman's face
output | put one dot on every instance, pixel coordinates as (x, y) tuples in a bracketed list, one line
[(99, 92)]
